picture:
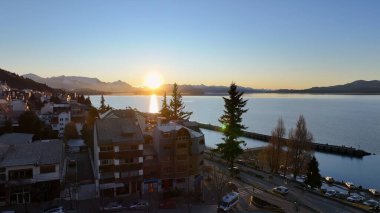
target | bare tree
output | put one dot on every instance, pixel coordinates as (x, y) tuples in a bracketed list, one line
[(300, 146), (275, 148), (219, 181)]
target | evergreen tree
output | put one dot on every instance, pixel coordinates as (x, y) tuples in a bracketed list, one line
[(313, 176), (103, 107), (176, 106), (232, 125), (29, 123), (87, 101), (165, 108)]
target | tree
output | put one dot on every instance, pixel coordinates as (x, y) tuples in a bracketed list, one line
[(70, 131), (232, 125), (87, 101), (276, 145), (219, 182), (103, 108), (29, 123), (313, 177), (176, 106), (300, 146), (165, 112)]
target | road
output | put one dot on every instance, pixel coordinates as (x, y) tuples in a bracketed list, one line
[(308, 201)]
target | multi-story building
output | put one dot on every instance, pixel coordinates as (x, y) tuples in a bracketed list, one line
[(30, 172), (118, 154), (179, 150), (171, 153)]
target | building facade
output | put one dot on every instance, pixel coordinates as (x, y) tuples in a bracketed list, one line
[(118, 156)]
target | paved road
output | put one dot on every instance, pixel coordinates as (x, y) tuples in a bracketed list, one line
[(309, 202)]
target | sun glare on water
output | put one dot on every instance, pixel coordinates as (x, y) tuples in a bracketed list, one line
[(153, 80)]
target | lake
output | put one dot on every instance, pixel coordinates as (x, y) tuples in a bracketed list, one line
[(350, 120)]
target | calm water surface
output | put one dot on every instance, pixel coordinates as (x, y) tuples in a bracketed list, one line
[(348, 120)]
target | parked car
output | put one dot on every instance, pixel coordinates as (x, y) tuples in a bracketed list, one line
[(329, 179), (341, 195), (241, 162), (355, 198), (371, 203), (235, 170), (55, 209), (330, 193), (112, 206), (374, 192), (350, 185), (168, 204), (281, 189), (139, 205)]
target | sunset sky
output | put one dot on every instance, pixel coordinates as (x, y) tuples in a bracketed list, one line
[(261, 44)]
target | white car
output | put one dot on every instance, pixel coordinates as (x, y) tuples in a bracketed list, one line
[(281, 189), (355, 198), (329, 179), (112, 206), (374, 192), (350, 185), (139, 205), (55, 209), (371, 203), (330, 193)]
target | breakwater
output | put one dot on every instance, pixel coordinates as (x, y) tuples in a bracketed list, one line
[(327, 148)]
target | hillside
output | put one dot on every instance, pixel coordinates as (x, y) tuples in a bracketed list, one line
[(18, 82), (356, 87), (79, 83)]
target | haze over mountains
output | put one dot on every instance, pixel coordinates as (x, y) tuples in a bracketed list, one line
[(88, 85)]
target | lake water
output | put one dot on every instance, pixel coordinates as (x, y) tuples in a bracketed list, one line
[(350, 120)]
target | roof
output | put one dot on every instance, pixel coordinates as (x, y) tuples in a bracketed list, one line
[(172, 126), (39, 153), (16, 138), (118, 130), (120, 113)]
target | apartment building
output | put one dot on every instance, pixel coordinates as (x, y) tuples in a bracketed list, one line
[(118, 154)]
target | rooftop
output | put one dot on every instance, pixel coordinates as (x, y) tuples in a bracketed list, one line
[(118, 130), (39, 153), (16, 138)]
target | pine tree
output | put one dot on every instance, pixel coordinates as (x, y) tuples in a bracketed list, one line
[(176, 106), (313, 176), (103, 107), (165, 108), (232, 125)]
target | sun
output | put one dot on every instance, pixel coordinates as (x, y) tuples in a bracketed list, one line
[(153, 80)]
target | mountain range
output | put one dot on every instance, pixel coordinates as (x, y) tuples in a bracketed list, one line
[(87, 85)]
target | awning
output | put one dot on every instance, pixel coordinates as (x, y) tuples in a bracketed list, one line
[(111, 185)]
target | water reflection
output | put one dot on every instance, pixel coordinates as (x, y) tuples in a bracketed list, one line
[(153, 104)]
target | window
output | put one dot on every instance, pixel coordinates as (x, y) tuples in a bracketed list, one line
[(47, 169), (181, 169), (202, 142), (2, 169), (106, 162), (20, 174), (181, 145), (166, 134), (167, 146), (129, 148), (148, 157), (181, 157), (129, 160), (106, 148), (2, 177)]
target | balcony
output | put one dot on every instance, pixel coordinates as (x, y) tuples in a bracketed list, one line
[(128, 154), (106, 155), (129, 167)]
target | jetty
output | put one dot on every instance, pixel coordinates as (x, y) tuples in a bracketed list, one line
[(327, 148)]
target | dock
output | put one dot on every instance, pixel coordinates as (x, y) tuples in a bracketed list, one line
[(327, 148)]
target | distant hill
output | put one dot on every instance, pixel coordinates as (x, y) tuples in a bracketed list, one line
[(356, 87), (18, 82), (77, 83)]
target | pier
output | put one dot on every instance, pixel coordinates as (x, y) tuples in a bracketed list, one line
[(327, 148)]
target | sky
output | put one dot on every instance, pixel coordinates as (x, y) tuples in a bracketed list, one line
[(261, 44)]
